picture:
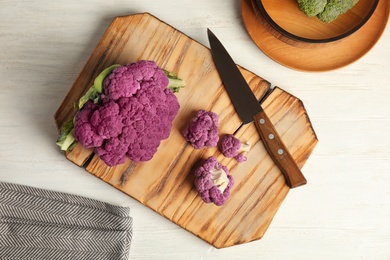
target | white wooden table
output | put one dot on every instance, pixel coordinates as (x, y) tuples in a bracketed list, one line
[(342, 213)]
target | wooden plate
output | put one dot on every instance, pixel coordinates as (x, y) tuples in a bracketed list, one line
[(287, 19), (330, 56)]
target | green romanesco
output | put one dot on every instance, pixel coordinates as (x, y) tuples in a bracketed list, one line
[(325, 10), (334, 8), (312, 7)]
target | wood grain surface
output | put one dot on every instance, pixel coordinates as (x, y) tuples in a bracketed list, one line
[(165, 183)]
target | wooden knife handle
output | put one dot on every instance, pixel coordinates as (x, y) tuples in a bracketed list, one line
[(278, 151)]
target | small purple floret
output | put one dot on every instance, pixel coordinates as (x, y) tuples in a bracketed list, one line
[(213, 182), (202, 130), (232, 147)]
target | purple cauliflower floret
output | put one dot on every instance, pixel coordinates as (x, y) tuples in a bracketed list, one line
[(148, 120), (232, 147), (213, 182), (125, 81), (94, 124), (113, 151), (107, 120), (240, 157), (202, 130), (84, 131), (134, 115)]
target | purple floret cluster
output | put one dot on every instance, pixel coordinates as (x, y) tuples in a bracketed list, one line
[(134, 115), (202, 130), (126, 80), (213, 182), (212, 179), (232, 147)]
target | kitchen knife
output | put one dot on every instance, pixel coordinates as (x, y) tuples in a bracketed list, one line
[(249, 110)]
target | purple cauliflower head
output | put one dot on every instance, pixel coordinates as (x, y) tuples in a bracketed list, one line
[(213, 182), (134, 115), (231, 147), (202, 130)]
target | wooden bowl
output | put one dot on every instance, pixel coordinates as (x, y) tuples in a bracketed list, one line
[(289, 24)]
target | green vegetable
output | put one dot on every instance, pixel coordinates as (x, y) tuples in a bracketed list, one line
[(312, 7), (175, 84), (65, 139), (326, 10), (94, 92), (334, 8)]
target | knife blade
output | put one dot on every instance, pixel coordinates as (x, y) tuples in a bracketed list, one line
[(249, 110)]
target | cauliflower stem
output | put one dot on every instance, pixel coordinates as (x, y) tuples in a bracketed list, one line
[(66, 139), (245, 147), (175, 84), (219, 178)]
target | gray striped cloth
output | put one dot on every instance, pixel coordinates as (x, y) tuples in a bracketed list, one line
[(41, 224)]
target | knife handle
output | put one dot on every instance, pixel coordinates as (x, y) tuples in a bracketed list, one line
[(278, 151)]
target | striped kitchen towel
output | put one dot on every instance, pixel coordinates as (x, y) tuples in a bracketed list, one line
[(42, 224)]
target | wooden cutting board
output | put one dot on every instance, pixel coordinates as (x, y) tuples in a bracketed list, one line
[(165, 183)]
